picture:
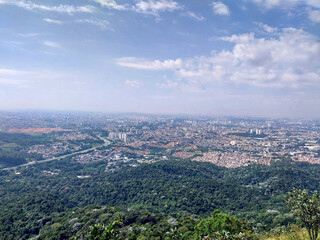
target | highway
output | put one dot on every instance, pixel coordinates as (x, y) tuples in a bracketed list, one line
[(106, 143)]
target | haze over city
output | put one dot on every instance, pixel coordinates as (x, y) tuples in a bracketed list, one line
[(246, 57)]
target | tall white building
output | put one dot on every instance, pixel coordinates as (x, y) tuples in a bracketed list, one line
[(118, 136)]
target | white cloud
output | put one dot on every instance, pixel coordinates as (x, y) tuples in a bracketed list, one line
[(49, 20), (193, 15), (103, 24), (14, 77), (239, 38), (268, 3), (155, 7), (112, 4), (51, 44), (289, 60), (267, 28), (69, 9), (14, 82), (133, 83), (309, 7), (149, 7), (287, 3), (7, 71), (220, 8), (314, 15), (313, 3), (29, 35), (27, 78), (137, 63), (168, 84)]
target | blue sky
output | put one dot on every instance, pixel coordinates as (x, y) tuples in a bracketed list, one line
[(228, 57)]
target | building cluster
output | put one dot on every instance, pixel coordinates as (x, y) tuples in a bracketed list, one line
[(118, 136), (134, 138), (75, 136), (226, 143), (64, 144), (53, 149), (255, 131)]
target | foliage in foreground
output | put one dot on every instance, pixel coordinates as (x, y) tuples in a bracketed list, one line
[(34, 203), (294, 233), (306, 208), (219, 226), (223, 226), (111, 231)]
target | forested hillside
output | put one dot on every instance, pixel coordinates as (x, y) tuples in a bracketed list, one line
[(37, 197)]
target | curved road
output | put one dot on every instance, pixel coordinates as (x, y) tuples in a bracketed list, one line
[(106, 143)]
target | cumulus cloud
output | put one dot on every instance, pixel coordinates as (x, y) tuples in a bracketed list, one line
[(267, 28), (289, 60), (220, 8), (69, 9), (137, 63)]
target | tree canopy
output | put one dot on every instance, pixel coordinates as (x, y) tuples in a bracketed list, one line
[(306, 207)]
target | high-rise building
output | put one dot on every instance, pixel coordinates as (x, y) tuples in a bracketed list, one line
[(118, 136)]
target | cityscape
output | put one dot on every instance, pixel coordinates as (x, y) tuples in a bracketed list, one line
[(159, 119), (132, 139)]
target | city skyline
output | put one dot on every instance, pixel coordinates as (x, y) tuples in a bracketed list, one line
[(249, 57)]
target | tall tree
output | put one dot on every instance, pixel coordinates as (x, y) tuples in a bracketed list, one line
[(306, 207)]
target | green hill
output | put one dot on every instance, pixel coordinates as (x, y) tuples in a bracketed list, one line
[(171, 188)]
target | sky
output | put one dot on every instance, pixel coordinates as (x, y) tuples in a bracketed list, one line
[(257, 58)]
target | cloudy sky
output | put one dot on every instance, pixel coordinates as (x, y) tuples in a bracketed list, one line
[(228, 57)]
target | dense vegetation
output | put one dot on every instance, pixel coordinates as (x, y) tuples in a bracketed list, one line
[(24, 140), (12, 147), (95, 222), (43, 197), (11, 158)]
